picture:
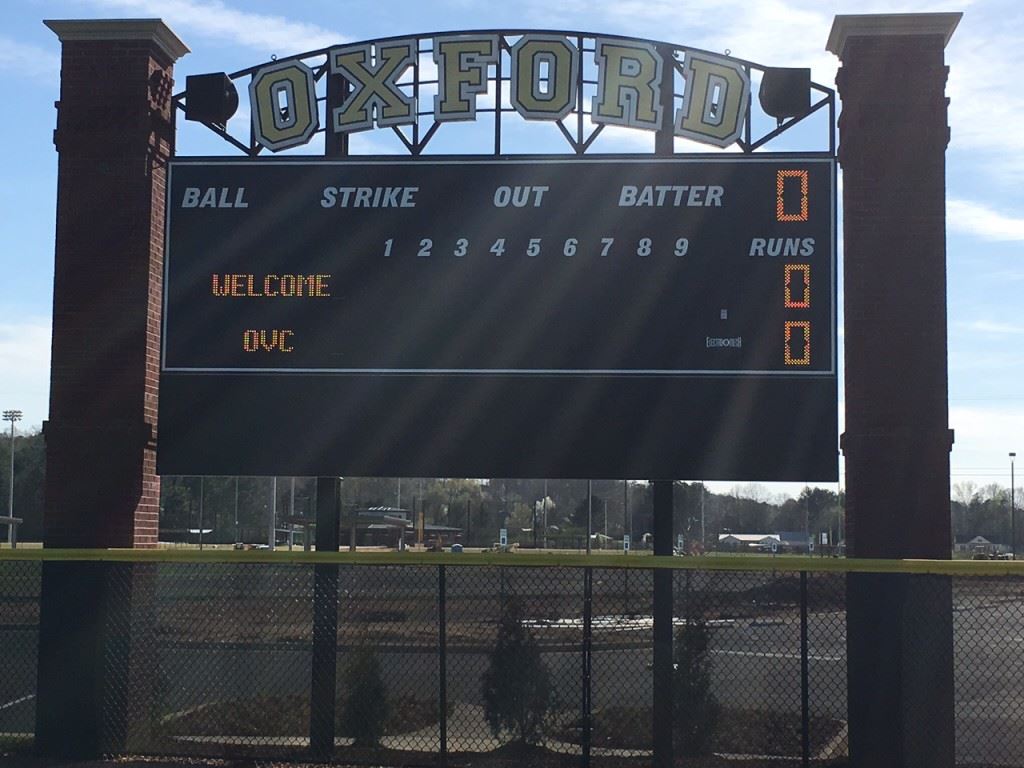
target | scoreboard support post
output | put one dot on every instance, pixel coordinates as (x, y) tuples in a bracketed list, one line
[(893, 136), (664, 695)]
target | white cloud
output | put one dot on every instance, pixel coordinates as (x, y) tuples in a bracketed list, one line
[(973, 218), (25, 362), (994, 328), (213, 18), (31, 60), (985, 107)]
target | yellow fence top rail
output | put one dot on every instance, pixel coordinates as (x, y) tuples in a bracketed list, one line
[(526, 559)]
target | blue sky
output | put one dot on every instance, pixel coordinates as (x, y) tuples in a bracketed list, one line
[(985, 171)]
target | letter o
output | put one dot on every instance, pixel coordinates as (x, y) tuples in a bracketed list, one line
[(278, 126), (562, 60), (502, 196)]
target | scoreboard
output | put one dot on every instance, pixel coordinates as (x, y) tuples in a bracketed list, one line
[(500, 317)]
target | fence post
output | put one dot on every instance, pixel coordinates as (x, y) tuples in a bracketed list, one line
[(442, 646), (588, 609), (325, 621), (663, 693), (805, 715)]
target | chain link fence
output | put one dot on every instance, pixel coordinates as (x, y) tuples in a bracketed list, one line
[(491, 665)]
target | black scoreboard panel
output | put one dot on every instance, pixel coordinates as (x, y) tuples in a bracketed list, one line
[(593, 317)]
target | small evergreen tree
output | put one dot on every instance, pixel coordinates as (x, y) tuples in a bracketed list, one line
[(365, 706), (516, 686), (695, 707)]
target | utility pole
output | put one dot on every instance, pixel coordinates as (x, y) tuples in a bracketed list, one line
[(703, 533), (533, 527), (273, 514), (1013, 506), (625, 510)]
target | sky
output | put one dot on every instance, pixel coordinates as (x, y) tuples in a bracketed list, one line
[(985, 158)]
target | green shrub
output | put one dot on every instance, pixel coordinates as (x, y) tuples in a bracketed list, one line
[(364, 709), (516, 686), (695, 708)]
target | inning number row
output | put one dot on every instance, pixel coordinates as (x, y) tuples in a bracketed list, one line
[(536, 245)]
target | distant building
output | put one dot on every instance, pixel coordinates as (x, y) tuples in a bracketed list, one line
[(747, 542), (981, 545), (794, 541)]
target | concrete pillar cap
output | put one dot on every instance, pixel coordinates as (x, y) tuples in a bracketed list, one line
[(152, 30), (845, 26)]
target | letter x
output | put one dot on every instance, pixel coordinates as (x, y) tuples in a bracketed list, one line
[(374, 86)]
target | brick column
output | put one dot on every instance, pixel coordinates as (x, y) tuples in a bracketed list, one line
[(893, 136), (115, 133)]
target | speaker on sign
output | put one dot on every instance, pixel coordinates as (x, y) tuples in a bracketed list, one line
[(210, 98), (785, 92)]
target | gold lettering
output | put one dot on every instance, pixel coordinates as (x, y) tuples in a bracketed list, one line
[(544, 72), (628, 81), (715, 104), (284, 105), (462, 71), (374, 85)]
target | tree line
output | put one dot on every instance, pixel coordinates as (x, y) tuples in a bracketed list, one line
[(239, 509)]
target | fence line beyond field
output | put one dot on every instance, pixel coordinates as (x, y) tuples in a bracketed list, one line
[(226, 654)]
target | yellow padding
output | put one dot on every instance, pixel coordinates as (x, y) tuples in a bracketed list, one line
[(527, 559)]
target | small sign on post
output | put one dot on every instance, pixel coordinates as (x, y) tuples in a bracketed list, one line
[(503, 537), (775, 547), (625, 543)]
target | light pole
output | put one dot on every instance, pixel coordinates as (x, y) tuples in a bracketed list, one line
[(1013, 508), (590, 511), (545, 513), (11, 416)]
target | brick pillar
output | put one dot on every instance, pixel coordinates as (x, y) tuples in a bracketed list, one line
[(893, 136), (115, 133)]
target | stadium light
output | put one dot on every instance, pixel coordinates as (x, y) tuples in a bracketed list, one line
[(11, 416)]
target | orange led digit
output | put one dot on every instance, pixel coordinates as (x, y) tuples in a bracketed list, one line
[(803, 300), (780, 203), (797, 347)]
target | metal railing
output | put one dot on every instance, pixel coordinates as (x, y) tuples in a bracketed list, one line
[(409, 658)]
